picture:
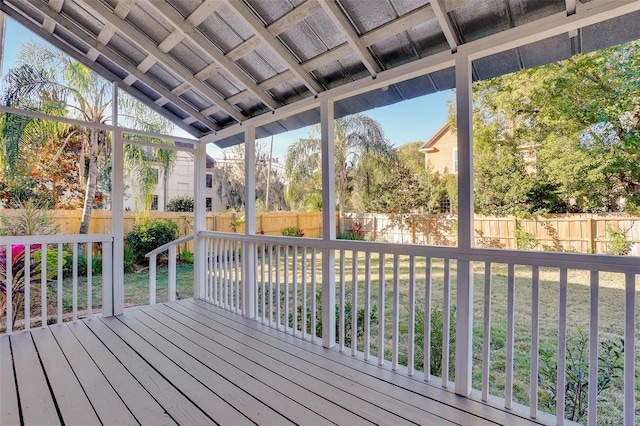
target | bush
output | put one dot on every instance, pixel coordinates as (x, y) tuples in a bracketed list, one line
[(183, 203), (576, 392), (617, 242), (186, 256), (373, 316), (129, 259), (292, 231), (150, 235), (437, 329)]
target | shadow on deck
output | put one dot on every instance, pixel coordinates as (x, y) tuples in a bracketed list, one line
[(189, 362)]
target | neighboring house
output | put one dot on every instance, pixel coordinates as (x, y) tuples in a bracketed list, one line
[(181, 183), (441, 153)]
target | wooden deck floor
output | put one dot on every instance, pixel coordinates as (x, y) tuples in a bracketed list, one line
[(190, 363)]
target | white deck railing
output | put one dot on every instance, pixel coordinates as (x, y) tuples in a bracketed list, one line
[(42, 256), (278, 281), (172, 253)]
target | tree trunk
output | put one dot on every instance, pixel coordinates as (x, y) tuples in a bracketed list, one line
[(341, 198), (92, 181)]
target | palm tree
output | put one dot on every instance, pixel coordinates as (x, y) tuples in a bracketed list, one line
[(46, 80), (362, 156)]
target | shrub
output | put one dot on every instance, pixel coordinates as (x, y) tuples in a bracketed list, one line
[(292, 231), (129, 259), (355, 233), (525, 240), (347, 319), (576, 392), (150, 235), (617, 242), (183, 203), (186, 256), (437, 332)]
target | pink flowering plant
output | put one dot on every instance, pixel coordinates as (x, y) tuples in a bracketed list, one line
[(17, 286)]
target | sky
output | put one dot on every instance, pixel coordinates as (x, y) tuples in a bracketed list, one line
[(408, 121)]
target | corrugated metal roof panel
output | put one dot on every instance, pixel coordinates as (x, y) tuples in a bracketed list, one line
[(498, 64), (480, 18), (611, 33), (189, 55), (127, 50), (153, 26)]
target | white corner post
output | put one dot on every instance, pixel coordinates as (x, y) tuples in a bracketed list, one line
[(328, 224), (249, 248), (3, 31), (464, 295), (117, 208), (199, 219)]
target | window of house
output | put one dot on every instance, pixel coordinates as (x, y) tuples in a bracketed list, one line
[(155, 173), (455, 161), (154, 203), (445, 207), (209, 180), (209, 204)]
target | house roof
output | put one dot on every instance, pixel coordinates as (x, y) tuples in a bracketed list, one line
[(429, 145), (211, 65)]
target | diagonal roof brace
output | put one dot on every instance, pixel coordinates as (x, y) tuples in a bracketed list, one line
[(338, 18), (135, 36), (243, 12), (439, 9), (189, 31), (94, 44)]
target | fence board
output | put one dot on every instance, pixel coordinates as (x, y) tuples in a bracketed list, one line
[(583, 233)]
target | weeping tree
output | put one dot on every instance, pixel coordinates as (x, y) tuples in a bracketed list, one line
[(362, 159), (47, 80)]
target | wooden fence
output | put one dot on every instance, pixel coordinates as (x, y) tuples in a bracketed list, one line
[(581, 233)]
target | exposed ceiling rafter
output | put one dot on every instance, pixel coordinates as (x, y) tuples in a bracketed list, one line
[(334, 12), (241, 10), (121, 62), (19, 17), (445, 23), (221, 62), (135, 36)]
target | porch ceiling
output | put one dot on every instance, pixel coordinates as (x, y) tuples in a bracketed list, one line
[(211, 65)]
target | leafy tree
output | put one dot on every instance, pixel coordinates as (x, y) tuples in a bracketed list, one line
[(579, 120), (231, 174), (362, 158), (49, 81)]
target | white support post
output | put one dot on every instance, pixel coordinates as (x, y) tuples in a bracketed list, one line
[(199, 215), (248, 252), (117, 209), (328, 224), (464, 295), (3, 27)]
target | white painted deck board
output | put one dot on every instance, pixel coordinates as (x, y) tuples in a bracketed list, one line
[(208, 372), (9, 411), (215, 407), (364, 372), (145, 409), (189, 362), (73, 403), (106, 402), (36, 401), (271, 382), (365, 401), (175, 403)]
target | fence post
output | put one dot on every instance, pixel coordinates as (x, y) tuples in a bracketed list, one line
[(591, 243)]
